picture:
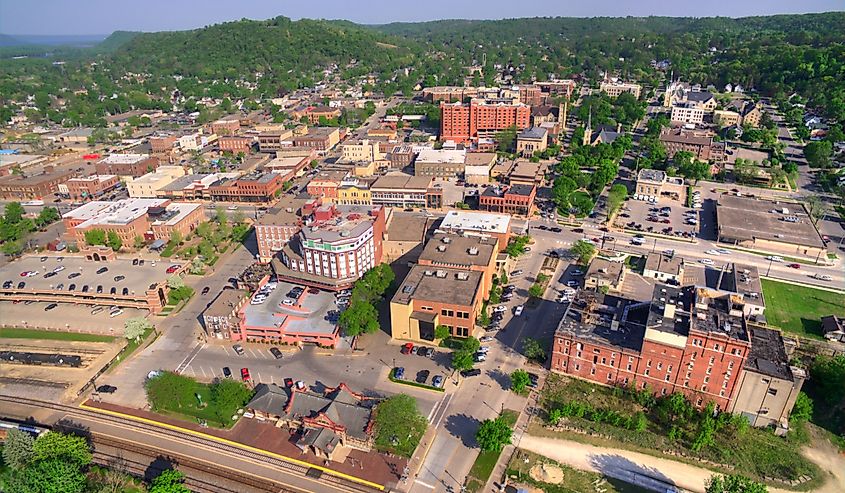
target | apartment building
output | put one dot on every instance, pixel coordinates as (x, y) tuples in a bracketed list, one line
[(324, 185), (226, 126), (614, 89), (127, 165), (700, 144), (364, 150), (481, 118), (151, 219), (90, 187), (510, 199), (235, 143), (274, 140), (448, 94), (35, 184), (687, 112), (221, 318)]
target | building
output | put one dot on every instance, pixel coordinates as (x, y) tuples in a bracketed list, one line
[(195, 141), (557, 87), (751, 114), (614, 89), (235, 144), (288, 167), (162, 145), (524, 172), (655, 183), (193, 186), (474, 223), (700, 144), (325, 184), (127, 165), (314, 113), (321, 139), (604, 275), (726, 118), (150, 219), (35, 184), (90, 187), (275, 228), (327, 424), (429, 297), (531, 140), (335, 246), (511, 199), (256, 187), (147, 186), (448, 94), (365, 150), (464, 123), (440, 163), (668, 269), (602, 134), (406, 192), (400, 156), (768, 386), (274, 140), (781, 228), (682, 93), (221, 317), (354, 191), (226, 126), (405, 235), (690, 340), (477, 166), (833, 328), (472, 253), (687, 112)]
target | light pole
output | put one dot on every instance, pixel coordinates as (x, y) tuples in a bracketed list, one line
[(770, 267)]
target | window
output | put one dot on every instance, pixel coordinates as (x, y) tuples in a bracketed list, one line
[(660, 366), (731, 365), (712, 360), (648, 364), (593, 371), (647, 372), (706, 379), (709, 370), (577, 367), (604, 361), (668, 377), (609, 377), (629, 367)]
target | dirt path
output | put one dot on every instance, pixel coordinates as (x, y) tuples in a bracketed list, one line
[(827, 457), (602, 459)]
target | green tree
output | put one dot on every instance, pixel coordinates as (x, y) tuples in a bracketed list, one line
[(519, 381), (135, 328), (48, 215), (13, 213), (114, 241), (536, 290), (17, 449), (169, 481), (462, 360), (733, 483), (220, 216), (441, 332), (52, 475), (803, 408), (399, 426), (506, 139), (360, 317), (54, 445), (584, 250), (818, 153), (227, 396), (828, 376), (95, 237), (204, 230), (175, 282), (169, 389), (138, 243), (533, 349), (493, 434)]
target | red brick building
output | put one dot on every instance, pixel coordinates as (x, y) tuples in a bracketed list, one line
[(255, 187), (226, 127), (133, 165), (691, 340), (235, 144), (464, 123), (513, 199), (35, 184), (163, 144), (90, 187), (325, 184)]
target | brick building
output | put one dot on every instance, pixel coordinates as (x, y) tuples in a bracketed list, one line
[(321, 138), (235, 143), (151, 219), (221, 317), (464, 123), (325, 184), (226, 126), (256, 187), (513, 199), (90, 187), (700, 144), (127, 165), (35, 184), (162, 145), (405, 191), (275, 229)]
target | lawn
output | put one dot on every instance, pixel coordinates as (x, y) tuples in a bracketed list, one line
[(753, 452), (799, 309), (574, 480), (13, 333), (185, 398), (486, 461)]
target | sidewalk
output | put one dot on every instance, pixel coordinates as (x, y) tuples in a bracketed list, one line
[(519, 430)]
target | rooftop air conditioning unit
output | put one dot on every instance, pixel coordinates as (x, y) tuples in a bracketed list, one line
[(441, 274)]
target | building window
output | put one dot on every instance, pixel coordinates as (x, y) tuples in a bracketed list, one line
[(577, 367), (629, 366), (668, 377), (593, 371), (660, 366), (647, 372)]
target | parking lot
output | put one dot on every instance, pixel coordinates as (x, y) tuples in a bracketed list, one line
[(647, 217), (66, 317), (313, 312)]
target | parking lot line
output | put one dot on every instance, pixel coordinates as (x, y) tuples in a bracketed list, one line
[(227, 350), (252, 352), (259, 377), (203, 371)]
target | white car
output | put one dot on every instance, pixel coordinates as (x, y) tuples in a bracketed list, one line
[(485, 339), (32, 273), (774, 258), (59, 269), (723, 251), (568, 292), (577, 272), (564, 299), (822, 277), (480, 357), (484, 350), (571, 283), (713, 252), (233, 207), (287, 302), (706, 261), (500, 309), (115, 313), (517, 311)]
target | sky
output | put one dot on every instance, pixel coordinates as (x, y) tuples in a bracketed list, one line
[(63, 17)]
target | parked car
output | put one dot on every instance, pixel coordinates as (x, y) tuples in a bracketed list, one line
[(205, 290), (407, 347), (517, 272), (49, 274), (437, 381), (399, 373), (238, 349), (245, 374), (500, 309), (472, 372), (422, 376), (102, 270), (172, 269), (706, 261), (276, 353), (21, 285), (427, 352), (115, 313), (517, 311), (227, 372), (74, 275), (485, 339), (59, 269), (50, 307), (106, 389)]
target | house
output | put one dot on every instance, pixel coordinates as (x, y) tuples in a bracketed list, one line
[(531, 140), (604, 275), (667, 269), (833, 328), (325, 423)]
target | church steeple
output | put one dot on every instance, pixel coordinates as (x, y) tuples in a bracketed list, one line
[(588, 132)]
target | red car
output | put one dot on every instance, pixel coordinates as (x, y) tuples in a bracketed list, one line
[(288, 382), (172, 269), (245, 374), (406, 349), (794, 266)]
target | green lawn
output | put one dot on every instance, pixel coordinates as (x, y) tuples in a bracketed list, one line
[(486, 461), (799, 309), (13, 333), (195, 410)]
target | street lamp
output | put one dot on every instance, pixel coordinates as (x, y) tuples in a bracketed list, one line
[(770, 267)]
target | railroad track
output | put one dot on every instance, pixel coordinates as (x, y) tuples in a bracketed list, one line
[(293, 468), (200, 476)]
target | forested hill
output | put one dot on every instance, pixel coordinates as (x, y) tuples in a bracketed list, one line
[(236, 48)]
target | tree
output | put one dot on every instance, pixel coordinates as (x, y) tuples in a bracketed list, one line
[(95, 237), (815, 206), (169, 481), (615, 198), (53, 475), (818, 153), (238, 217), (175, 282), (138, 243), (441, 332), (13, 213), (519, 381), (462, 360), (175, 239), (114, 241), (399, 424), (17, 449), (733, 483), (493, 434), (828, 377), (55, 445), (48, 215), (360, 317), (533, 349), (802, 410), (169, 388), (584, 250), (506, 139), (135, 328), (227, 396), (536, 290), (220, 216)]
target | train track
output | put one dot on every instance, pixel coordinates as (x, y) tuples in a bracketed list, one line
[(200, 476), (293, 468)]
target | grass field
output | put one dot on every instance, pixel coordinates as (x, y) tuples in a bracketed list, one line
[(573, 479), (13, 333), (799, 309), (486, 461)]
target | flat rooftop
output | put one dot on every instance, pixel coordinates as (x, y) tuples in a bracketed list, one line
[(442, 285), (456, 250), (518, 189), (225, 302), (450, 156), (402, 182), (309, 315), (652, 175), (116, 213), (599, 318), (719, 312), (349, 222), (408, 226), (533, 133), (744, 279), (768, 354), (681, 299), (664, 263), (480, 158), (743, 218), (476, 221), (124, 158)]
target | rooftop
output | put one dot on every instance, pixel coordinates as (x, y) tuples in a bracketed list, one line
[(744, 279), (518, 189), (408, 226), (346, 223), (480, 158), (602, 319), (665, 264), (452, 156), (605, 269), (669, 310), (112, 213), (719, 312), (440, 285), (681, 136), (124, 158), (476, 221), (768, 354), (742, 218), (402, 181), (456, 250), (533, 133), (225, 302), (651, 175)]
